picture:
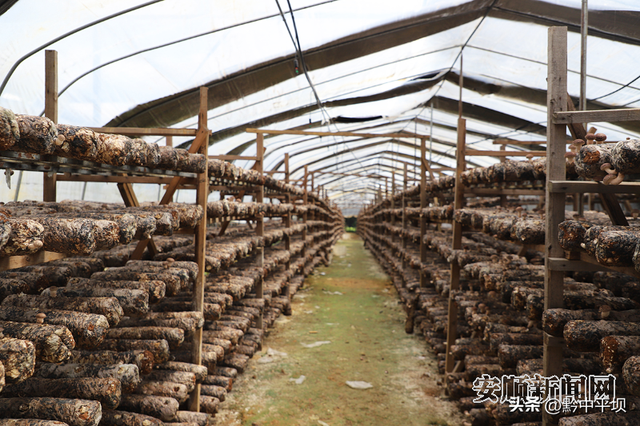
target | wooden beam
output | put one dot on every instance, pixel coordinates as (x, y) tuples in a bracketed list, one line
[(233, 157), (145, 131), (569, 186), (555, 202), (312, 133), (481, 153), (202, 193), (51, 112), (606, 115), (458, 202)]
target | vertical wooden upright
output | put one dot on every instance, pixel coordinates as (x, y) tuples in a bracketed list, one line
[(456, 245), (404, 216), (51, 112), (200, 242), (287, 220), (423, 204), (259, 166), (555, 202), (305, 200)]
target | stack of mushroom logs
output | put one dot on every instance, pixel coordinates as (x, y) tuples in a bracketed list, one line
[(112, 335), (500, 299)]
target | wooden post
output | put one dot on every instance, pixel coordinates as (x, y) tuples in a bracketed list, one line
[(260, 221), (200, 244), (456, 245), (423, 204), (555, 202), (51, 112), (287, 221), (404, 215)]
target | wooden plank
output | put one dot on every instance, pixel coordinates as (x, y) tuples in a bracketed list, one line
[(606, 115), (202, 193), (233, 157), (480, 153), (51, 112), (121, 179), (145, 131), (503, 191), (458, 203), (13, 262), (259, 197), (423, 204), (313, 133), (555, 202), (568, 186)]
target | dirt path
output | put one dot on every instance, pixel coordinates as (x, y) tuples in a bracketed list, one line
[(346, 326)]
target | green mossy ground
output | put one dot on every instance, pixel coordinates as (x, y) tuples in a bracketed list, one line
[(352, 305)]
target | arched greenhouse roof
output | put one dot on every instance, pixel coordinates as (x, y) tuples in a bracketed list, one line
[(371, 66)]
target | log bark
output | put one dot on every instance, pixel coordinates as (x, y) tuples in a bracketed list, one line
[(554, 320), (225, 382), (127, 374), (74, 412), (75, 236), (209, 404), (631, 375), (172, 282), (590, 158), (602, 419), (143, 359), (10, 286), (510, 354), (174, 336), (107, 306), (37, 134), (177, 391), (215, 391), (183, 377), (30, 422), (125, 418), (105, 390), (201, 419), (9, 129), (161, 407), (159, 348), (26, 237), (18, 357), (88, 330), (155, 289), (571, 234), (53, 342), (586, 335), (616, 247), (615, 350), (199, 371), (133, 302)]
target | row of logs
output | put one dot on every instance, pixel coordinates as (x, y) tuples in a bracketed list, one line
[(501, 313), (125, 373)]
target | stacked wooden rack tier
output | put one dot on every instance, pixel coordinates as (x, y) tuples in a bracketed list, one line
[(504, 289), (142, 314)]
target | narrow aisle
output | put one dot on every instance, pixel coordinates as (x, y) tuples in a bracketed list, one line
[(346, 327)]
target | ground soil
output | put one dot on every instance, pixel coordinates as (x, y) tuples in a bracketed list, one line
[(346, 326)]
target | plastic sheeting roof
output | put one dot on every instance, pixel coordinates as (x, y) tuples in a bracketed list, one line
[(376, 66)]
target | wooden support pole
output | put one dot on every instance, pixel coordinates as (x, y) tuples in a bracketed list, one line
[(51, 112), (287, 220), (259, 197), (404, 215), (555, 202), (423, 204), (200, 243), (452, 322)]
